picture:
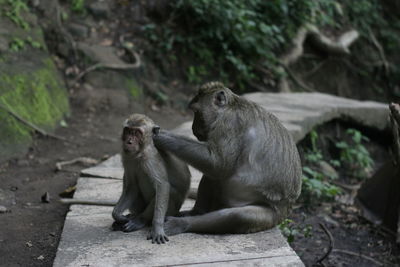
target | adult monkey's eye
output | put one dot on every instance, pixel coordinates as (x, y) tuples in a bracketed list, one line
[(156, 129)]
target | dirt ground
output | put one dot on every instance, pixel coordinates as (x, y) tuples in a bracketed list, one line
[(30, 230), (354, 240)]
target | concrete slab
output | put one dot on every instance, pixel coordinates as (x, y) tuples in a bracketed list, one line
[(88, 241), (110, 168), (98, 189), (308, 110)]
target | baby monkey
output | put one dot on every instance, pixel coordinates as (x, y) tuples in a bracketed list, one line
[(155, 182)]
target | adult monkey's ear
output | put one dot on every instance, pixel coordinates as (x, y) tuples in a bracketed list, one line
[(156, 129), (220, 99)]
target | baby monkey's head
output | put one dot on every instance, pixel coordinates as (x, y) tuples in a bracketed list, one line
[(137, 133)]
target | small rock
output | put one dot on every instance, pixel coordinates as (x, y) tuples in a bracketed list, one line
[(3, 209), (41, 257), (14, 188), (78, 30), (46, 198), (7, 197), (330, 221), (29, 244), (99, 10)]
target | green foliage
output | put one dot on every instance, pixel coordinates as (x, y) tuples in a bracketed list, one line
[(230, 35), (238, 37), (290, 231), (335, 163), (314, 138), (354, 154), (162, 97), (196, 73), (13, 10), (18, 44), (134, 89), (36, 96), (33, 43), (363, 14), (314, 155), (316, 185), (78, 6)]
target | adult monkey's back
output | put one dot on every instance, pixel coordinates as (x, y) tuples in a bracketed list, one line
[(251, 166)]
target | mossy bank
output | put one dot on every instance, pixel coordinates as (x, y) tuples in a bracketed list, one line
[(30, 86)]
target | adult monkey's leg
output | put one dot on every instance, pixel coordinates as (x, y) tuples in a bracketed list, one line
[(238, 220), (205, 197)]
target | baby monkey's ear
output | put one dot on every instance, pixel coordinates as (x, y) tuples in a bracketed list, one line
[(156, 129)]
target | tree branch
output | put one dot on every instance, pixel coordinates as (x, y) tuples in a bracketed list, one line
[(31, 125), (340, 46), (331, 244)]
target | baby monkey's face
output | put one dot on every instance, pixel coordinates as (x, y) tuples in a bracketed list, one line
[(137, 133), (132, 139)]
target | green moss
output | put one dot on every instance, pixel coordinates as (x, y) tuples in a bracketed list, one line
[(14, 10), (37, 97), (134, 90)]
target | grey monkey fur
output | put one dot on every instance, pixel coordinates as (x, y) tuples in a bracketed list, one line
[(155, 183), (251, 166)]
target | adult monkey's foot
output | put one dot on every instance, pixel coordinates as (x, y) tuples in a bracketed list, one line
[(176, 225)]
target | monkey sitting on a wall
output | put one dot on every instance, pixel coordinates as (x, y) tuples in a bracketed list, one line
[(155, 182), (251, 166)]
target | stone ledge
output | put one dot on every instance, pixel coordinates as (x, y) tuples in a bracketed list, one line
[(88, 240)]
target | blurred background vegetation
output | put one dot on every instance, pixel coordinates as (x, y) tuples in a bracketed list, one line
[(242, 42)]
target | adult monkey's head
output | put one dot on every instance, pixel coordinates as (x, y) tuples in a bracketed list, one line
[(137, 133), (211, 101)]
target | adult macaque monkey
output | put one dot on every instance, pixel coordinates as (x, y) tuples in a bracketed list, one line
[(155, 183), (251, 166)]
